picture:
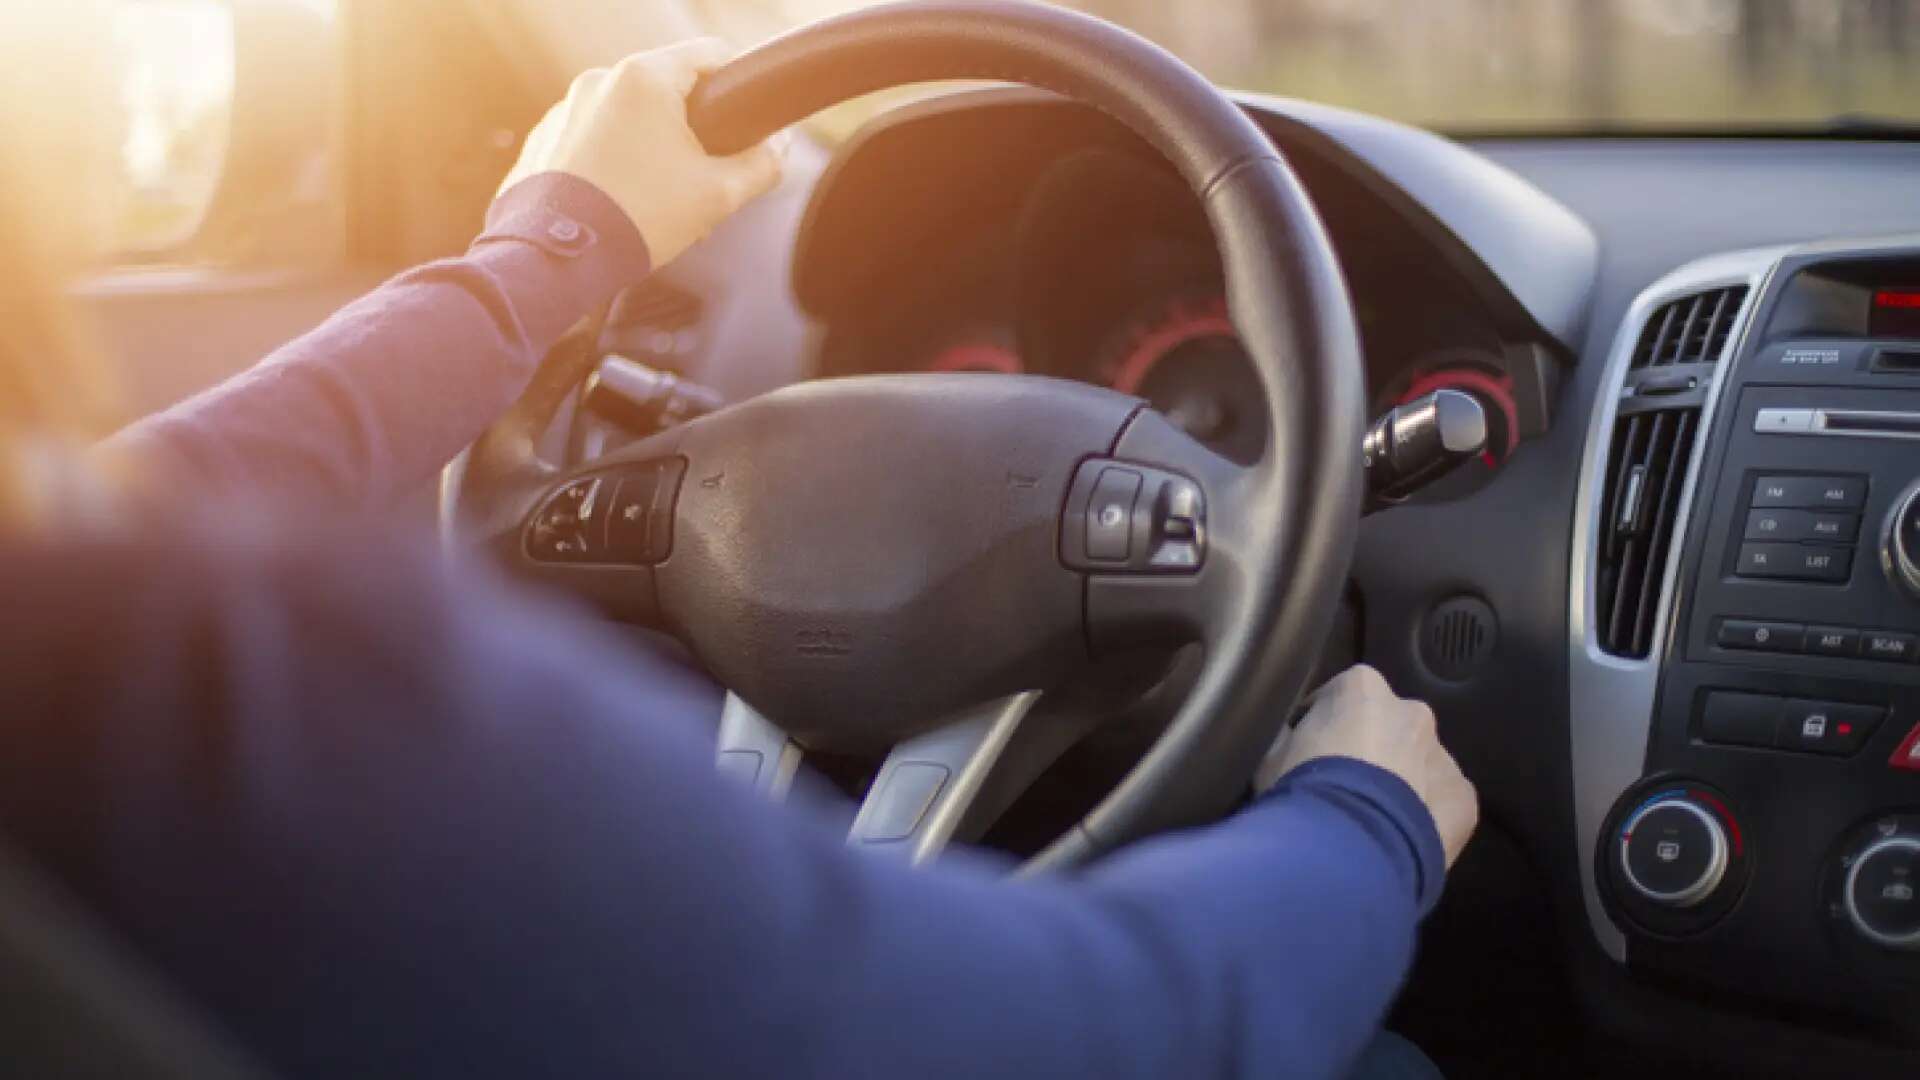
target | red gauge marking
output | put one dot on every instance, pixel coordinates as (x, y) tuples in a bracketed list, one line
[(976, 356), (1180, 324), (1497, 390)]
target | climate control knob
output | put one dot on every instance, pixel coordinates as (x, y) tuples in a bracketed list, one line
[(1882, 891), (1673, 852)]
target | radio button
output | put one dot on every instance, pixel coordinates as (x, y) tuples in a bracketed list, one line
[(1785, 526), (1811, 492), (1764, 636), (1880, 645), (1832, 641), (1795, 562)]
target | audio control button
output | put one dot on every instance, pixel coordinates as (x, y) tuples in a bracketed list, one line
[(1832, 641), (1795, 562), (1881, 645), (1762, 636), (1811, 492)]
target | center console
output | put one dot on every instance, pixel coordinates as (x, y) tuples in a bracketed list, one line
[(1746, 636)]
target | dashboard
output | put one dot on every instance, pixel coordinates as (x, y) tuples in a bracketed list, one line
[(1669, 626), (1070, 251)]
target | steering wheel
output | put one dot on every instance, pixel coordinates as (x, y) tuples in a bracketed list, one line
[(906, 560)]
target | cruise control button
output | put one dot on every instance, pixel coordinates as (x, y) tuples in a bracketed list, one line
[(1741, 719), (627, 520), (1765, 636), (1795, 562), (1828, 727), (1877, 645), (1110, 515), (1811, 492), (1832, 641)]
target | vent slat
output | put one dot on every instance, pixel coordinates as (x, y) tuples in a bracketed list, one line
[(1689, 330), (1647, 465), (1678, 453)]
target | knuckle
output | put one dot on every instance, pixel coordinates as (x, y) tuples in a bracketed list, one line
[(586, 82)]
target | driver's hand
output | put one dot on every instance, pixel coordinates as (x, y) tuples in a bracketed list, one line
[(624, 130), (1357, 715)]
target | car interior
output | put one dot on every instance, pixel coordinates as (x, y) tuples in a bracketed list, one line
[(1050, 432)]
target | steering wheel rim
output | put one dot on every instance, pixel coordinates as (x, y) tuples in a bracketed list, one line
[(1281, 530)]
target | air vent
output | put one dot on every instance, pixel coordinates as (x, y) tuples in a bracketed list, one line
[(1690, 330), (1647, 468), (1652, 446)]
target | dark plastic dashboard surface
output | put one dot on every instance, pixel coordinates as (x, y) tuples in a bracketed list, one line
[(1655, 204)]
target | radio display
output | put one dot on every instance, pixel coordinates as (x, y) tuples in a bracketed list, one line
[(1895, 313)]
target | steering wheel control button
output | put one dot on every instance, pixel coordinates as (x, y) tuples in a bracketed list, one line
[(1128, 518), (1828, 727), (1811, 492), (1795, 562), (1179, 518), (1882, 894), (1732, 719), (619, 517), (563, 528), (1110, 515), (1762, 636), (1673, 851)]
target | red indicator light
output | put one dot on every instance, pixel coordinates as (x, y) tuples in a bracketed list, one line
[(1897, 298), (1846, 729)]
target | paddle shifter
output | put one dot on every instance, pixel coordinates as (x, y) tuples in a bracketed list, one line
[(1419, 442)]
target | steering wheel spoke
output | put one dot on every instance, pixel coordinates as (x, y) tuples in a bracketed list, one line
[(921, 797), (753, 750), (859, 555)]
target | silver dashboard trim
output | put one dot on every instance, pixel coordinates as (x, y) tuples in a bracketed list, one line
[(1610, 707)]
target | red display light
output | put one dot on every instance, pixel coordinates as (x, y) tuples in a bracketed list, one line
[(1896, 313)]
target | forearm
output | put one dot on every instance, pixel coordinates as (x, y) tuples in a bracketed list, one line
[(1269, 945), (370, 404), (464, 838)]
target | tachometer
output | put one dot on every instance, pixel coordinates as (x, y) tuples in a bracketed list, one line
[(1185, 359)]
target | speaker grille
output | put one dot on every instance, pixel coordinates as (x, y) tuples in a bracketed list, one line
[(1458, 638)]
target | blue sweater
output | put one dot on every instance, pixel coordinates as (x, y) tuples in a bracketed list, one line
[(382, 814)]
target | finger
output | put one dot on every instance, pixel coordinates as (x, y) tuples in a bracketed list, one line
[(680, 66), (749, 174)]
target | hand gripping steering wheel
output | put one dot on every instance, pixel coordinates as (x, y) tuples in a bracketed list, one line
[(905, 560)]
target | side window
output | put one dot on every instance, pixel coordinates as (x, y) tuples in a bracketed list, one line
[(229, 128)]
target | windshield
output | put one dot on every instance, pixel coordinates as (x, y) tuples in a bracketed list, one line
[(1518, 64)]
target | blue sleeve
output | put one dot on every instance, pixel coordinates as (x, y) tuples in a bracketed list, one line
[(385, 819), (366, 407)]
